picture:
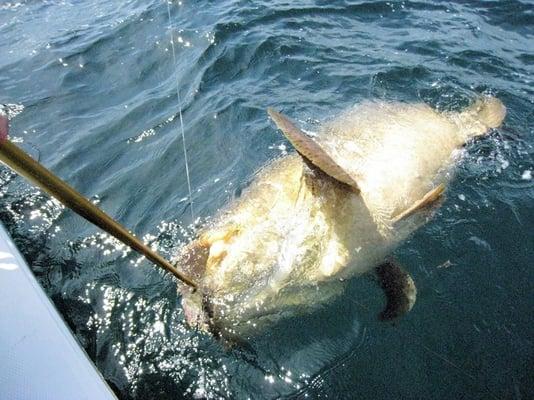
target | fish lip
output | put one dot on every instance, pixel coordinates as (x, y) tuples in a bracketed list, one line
[(194, 314), (199, 312)]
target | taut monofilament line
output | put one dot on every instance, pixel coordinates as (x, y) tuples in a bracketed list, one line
[(171, 34)]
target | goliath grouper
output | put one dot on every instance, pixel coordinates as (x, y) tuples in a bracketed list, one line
[(334, 210)]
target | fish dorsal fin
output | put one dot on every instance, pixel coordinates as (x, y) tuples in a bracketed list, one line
[(310, 150)]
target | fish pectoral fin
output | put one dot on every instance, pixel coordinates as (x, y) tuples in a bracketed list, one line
[(310, 150), (427, 200), (399, 289)]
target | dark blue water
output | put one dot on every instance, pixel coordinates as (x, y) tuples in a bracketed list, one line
[(93, 84)]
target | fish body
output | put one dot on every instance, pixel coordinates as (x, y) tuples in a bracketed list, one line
[(334, 210)]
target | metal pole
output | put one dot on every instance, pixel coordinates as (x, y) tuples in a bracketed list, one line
[(32, 170)]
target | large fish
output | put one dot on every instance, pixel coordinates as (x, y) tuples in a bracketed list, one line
[(335, 209)]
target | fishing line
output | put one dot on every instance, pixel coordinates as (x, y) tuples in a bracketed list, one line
[(171, 34)]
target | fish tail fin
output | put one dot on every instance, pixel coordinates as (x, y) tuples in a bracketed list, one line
[(486, 113)]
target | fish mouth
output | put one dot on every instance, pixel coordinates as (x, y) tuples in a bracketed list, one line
[(194, 316), (198, 313)]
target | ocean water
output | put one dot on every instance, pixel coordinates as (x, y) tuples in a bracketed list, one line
[(92, 87)]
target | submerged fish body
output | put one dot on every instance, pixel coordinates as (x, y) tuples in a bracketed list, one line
[(310, 221)]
